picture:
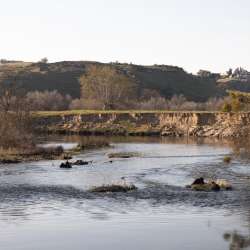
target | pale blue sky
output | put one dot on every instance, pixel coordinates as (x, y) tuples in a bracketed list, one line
[(192, 34)]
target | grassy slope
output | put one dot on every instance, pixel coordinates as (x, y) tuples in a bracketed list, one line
[(235, 84), (168, 80), (180, 83)]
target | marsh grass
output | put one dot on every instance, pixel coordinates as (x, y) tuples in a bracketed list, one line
[(14, 155), (113, 188), (92, 145), (226, 159), (121, 155)]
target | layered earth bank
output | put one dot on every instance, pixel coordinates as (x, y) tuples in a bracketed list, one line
[(229, 125)]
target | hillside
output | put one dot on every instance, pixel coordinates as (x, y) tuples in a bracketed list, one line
[(168, 80), (242, 85)]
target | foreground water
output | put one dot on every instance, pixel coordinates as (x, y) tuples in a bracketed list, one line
[(45, 207)]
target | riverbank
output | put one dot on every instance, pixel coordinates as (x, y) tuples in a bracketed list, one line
[(195, 124)]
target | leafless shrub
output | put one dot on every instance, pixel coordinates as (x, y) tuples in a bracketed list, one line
[(14, 131), (189, 106), (80, 104), (176, 102), (152, 104), (216, 103), (12, 83), (48, 100)]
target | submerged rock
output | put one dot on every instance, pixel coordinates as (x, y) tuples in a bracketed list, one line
[(198, 181), (199, 185), (65, 165)]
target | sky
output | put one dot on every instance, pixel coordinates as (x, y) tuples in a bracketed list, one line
[(211, 35)]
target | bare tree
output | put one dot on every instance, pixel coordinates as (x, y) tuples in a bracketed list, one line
[(216, 103), (81, 104), (12, 83), (44, 60), (176, 102), (104, 84)]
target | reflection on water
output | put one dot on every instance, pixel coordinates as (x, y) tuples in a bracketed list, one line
[(237, 241), (45, 207)]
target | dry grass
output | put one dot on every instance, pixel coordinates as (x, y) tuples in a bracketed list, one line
[(15, 65), (57, 151), (226, 159), (92, 145), (232, 80), (82, 112), (121, 155), (223, 184)]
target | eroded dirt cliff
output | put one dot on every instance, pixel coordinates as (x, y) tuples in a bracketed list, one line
[(165, 124)]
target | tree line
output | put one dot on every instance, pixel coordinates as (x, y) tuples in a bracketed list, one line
[(102, 87)]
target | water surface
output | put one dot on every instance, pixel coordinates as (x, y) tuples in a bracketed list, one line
[(45, 207)]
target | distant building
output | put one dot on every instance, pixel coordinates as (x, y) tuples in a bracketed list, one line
[(243, 74)]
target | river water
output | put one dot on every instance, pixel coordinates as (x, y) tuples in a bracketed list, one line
[(45, 207)]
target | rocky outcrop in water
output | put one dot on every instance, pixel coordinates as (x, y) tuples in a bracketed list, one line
[(192, 124)]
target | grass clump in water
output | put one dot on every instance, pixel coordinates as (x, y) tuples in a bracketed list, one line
[(113, 188), (223, 184), (121, 155), (226, 159), (92, 145)]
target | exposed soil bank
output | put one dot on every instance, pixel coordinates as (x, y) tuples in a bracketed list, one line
[(166, 124)]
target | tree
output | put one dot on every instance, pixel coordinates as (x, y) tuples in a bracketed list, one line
[(240, 100), (229, 72), (237, 71), (12, 83), (226, 108), (2, 61), (15, 126), (104, 84), (42, 64), (44, 60), (204, 73)]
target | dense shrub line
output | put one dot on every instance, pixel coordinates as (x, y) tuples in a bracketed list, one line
[(54, 101)]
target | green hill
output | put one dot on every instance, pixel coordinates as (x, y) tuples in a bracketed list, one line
[(168, 80)]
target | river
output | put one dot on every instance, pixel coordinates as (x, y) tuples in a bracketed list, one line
[(46, 207)]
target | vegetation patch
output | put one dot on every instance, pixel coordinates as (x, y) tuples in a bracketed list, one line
[(66, 156), (226, 159), (223, 184), (113, 188), (15, 155), (92, 145), (121, 155), (199, 185)]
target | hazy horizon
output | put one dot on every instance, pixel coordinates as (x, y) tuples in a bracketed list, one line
[(210, 35)]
